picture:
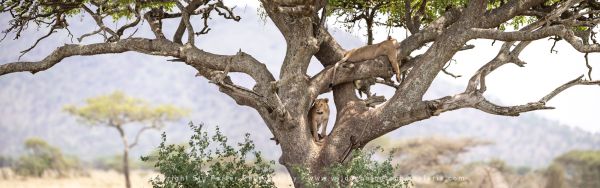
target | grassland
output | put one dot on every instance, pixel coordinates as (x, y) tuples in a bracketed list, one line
[(104, 179)]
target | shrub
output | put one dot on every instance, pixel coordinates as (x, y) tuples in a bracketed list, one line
[(581, 168), (111, 162), (200, 166), (361, 171), (41, 157)]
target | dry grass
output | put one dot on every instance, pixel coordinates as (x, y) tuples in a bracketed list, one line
[(106, 179), (97, 178)]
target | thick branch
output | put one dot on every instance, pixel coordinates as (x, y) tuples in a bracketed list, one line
[(154, 47), (558, 30), (185, 18), (197, 58), (504, 13)]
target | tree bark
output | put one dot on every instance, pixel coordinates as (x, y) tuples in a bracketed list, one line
[(369, 31), (284, 103), (125, 156)]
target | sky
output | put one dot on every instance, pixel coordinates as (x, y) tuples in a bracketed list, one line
[(513, 85), (510, 84)]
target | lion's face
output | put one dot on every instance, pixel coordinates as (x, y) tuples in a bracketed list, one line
[(321, 106)]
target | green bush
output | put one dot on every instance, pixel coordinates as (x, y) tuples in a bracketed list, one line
[(581, 168), (361, 171), (199, 165), (41, 157)]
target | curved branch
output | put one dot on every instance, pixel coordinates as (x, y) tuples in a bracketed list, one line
[(138, 135), (505, 55), (504, 13), (395, 118), (558, 30), (185, 18), (576, 81), (154, 47), (203, 61)]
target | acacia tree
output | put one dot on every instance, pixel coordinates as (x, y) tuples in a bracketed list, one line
[(283, 103), (117, 110), (427, 155)]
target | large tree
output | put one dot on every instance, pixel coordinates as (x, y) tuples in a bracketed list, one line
[(284, 102), (118, 111)]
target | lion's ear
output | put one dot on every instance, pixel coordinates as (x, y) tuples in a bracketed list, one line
[(326, 99)]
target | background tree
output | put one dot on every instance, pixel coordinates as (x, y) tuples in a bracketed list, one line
[(283, 103), (42, 157), (575, 168), (117, 110), (555, 177), (427, 156)]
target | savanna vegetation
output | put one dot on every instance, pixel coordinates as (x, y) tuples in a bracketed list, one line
[(440, 28)]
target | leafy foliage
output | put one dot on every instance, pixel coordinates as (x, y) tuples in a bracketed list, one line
[(409, 14), (42, 10), (361, 171), (201, 165), (426, 156), (41, 157), (582, 168), (117, 109), (392, 13)]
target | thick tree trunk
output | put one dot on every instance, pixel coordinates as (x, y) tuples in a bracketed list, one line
[(315, 159), (300, 151), (284, 103), (125, 157)]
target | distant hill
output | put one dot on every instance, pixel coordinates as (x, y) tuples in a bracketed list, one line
[(32, 105)]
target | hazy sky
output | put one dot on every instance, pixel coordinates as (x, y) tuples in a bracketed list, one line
[(512, 85)]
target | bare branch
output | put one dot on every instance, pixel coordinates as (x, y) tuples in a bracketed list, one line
[(445, 71), (587, 64), (139, 134), (203, 8), (240, 94), (576, 81), (89, 34), (98, 19), (134, 44), (37, 42), (505, 55)]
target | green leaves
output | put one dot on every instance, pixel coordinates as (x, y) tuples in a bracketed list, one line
[(41, 157), (361, 171), (117, 109), (211, 162)]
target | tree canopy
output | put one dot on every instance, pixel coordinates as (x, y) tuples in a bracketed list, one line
[(117, 109), (440, 28)]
